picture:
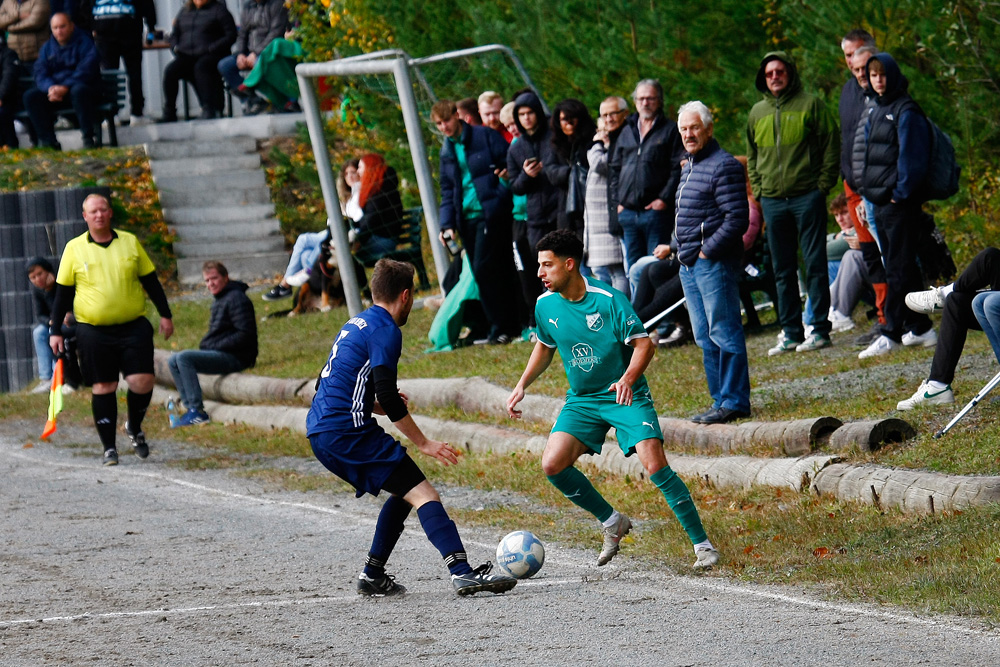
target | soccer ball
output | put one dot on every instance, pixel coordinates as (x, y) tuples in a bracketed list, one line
[(520, 554)]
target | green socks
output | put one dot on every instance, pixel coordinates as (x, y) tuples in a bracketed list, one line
[(679, 499), (575, 486)]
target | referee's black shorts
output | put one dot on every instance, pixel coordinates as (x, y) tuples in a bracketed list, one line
[(120, 348)]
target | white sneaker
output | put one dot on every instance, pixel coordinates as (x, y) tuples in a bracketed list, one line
[(707, 557), (882, 345), (784, 345), (926, 395), (299, 278), (138, 121), (840, 322), (43, 387), (927, 301), (926, 339)]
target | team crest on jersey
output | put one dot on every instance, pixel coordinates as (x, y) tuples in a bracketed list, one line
[(584, 358), (595, 321)]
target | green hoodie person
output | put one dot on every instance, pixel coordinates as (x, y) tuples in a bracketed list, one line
[(793, 144), (793, 158)]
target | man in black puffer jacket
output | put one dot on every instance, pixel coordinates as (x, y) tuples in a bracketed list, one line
[(643, 171), (896, 162), (712, 216), (229, 346), (202, 34)]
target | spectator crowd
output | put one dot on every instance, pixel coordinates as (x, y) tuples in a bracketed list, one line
[(55, 50), (671, 219), (666, 215)]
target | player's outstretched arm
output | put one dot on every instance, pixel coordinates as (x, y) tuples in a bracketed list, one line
[(441, 451), (540, 359), (642, 353)]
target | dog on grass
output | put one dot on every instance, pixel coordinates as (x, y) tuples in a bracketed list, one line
[(324, 290)]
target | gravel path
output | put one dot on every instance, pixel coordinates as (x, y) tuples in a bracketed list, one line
[(146, 563)]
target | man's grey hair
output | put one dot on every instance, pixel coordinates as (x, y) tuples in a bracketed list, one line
[(699, 108), (859, 35), (620, 101), (870, 50), (655, 84)]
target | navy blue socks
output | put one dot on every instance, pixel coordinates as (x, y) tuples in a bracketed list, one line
[(443, 534), (387, 532)]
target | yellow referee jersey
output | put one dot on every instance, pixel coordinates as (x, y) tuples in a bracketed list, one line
[(107, 284)]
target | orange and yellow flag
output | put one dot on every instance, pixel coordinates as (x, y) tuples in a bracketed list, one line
[(55, 399)]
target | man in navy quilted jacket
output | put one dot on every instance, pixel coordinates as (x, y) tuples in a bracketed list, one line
[(67, 73), (712, 216)]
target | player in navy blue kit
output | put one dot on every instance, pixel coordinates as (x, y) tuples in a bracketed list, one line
[(358, 379)]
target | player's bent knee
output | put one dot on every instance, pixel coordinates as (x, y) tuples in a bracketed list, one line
[(651, 456)]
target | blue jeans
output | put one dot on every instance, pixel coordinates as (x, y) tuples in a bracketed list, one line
[(230, 73), (713, 302), (635, 272), (801, 218), (641, 233), (305, 252), (185, 366), (614, 275), (986, 306), (46, 360)]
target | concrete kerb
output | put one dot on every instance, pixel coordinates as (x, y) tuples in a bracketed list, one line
[(909, 491)]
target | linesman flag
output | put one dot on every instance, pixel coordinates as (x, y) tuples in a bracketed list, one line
[(55, 399)]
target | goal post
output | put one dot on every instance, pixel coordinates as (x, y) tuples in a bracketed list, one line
[(397, 64)]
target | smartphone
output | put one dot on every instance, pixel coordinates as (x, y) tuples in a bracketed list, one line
[(531, 160), (452, 245)]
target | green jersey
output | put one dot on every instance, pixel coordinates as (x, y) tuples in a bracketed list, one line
[(592, 336)]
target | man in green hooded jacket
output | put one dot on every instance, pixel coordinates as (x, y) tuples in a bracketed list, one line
[(793, 149)]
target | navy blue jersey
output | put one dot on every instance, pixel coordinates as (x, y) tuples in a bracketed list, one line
[(346, 392)]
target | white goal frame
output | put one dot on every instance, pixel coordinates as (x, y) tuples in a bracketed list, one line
[(398, 64)]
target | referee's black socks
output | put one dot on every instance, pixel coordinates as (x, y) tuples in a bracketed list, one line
[(105, 408), (137, 406)]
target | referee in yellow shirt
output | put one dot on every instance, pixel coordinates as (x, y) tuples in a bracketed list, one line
[(102, 275)]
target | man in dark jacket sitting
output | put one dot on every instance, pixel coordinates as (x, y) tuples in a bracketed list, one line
[(643, 172), (229, 346), (67, 72), (478, 205), (712, 216)]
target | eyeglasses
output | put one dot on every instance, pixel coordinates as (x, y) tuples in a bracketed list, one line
[(612, 114), (647, 99), (775, 73)]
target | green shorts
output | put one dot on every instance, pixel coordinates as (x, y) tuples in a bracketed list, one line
[(588, 418)]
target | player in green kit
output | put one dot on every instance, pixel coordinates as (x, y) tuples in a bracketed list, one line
[(605, 351)]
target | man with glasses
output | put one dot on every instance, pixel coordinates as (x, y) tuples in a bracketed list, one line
[(793, 157), (643, 173), (601, 246)]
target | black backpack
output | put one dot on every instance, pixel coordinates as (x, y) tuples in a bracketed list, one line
[(941, 181)]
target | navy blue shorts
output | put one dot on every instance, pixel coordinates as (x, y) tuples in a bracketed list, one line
[(363, 459)]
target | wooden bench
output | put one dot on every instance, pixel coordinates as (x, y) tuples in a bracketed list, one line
[(408, 247), (111, 101)]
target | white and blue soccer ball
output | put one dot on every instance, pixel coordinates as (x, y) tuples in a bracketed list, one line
[(520, 554)]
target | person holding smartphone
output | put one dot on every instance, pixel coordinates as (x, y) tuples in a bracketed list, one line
[(476, 203), (525, 162)]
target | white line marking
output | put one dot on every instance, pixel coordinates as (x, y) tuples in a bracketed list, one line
[(714, 585)]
